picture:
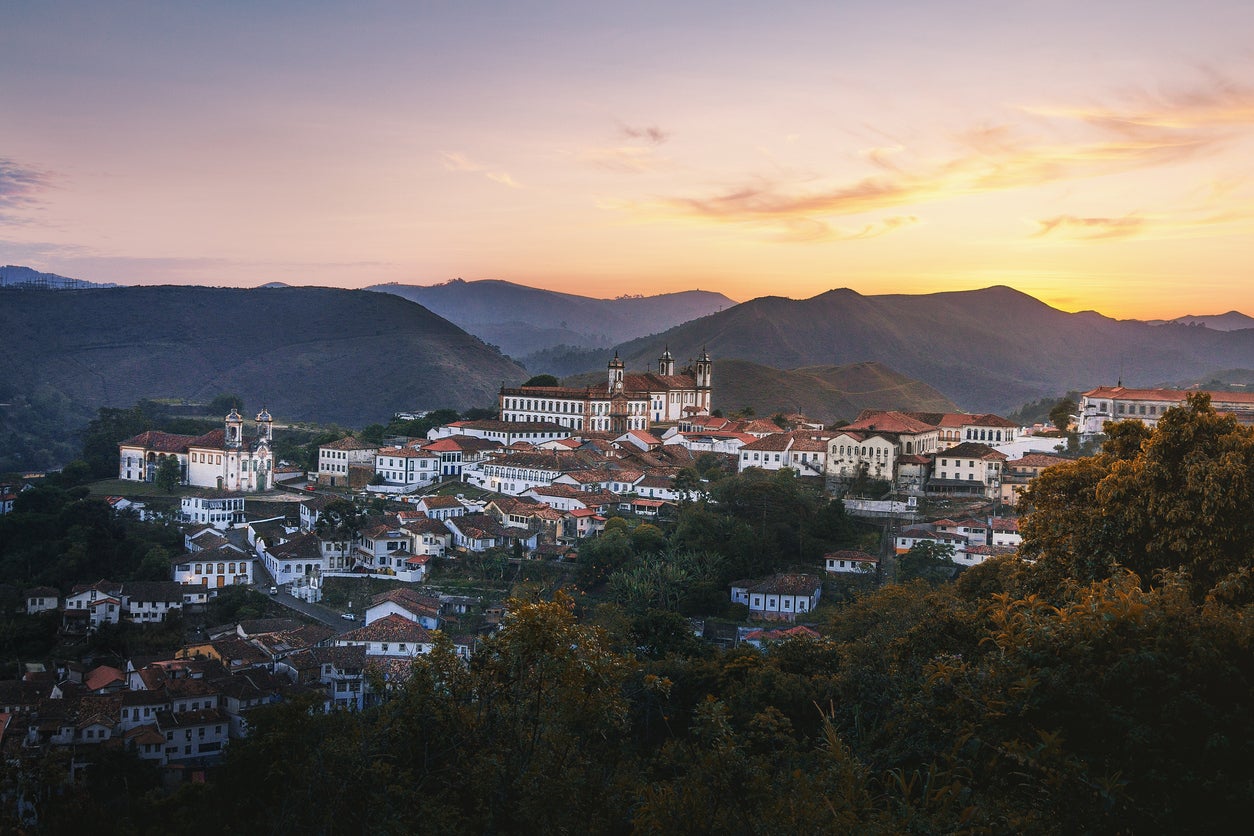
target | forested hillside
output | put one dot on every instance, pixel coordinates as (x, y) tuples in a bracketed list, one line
[(307, 354)]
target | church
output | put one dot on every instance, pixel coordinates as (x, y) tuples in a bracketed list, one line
[(635, 401), (224, 459)]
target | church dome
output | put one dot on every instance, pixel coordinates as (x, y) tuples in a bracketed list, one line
[(264, 415)]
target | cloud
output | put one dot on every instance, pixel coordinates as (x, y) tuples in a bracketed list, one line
[(1091, 229), (1070, 143), (811, 231), (19, 187), (651, 134), (457, 161)]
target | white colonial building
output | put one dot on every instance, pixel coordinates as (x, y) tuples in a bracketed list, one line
[(218, 509), (407, 467), (1117, 403), (625, 402), (224, 459)]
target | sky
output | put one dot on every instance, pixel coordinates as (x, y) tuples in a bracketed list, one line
[(1098, 156)]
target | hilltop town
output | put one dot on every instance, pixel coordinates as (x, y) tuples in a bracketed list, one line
[(351, 570)]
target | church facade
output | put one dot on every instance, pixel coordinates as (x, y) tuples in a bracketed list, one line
[(625, 402), (223, 459)]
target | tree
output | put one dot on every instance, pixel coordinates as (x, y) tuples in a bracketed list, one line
[(100, 439), (1176, 498), (1060, 415), (928, 561), (542, 380), (222, 404), (169, 473)]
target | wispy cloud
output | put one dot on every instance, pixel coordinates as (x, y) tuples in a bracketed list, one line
[(651, 134), (457, 161), (811, 231), (1073, 143), (1091, 229), (19, 187), (636, 155)]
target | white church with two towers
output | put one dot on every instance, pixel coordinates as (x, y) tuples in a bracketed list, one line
[(224, 459), (626, 401)]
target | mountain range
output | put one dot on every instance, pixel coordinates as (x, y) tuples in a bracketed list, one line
[(26, 277), (1230, 321), (355, 357), (313, 354), (523, 321), (988, 350)]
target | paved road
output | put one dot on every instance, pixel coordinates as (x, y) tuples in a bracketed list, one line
[(326, 615)]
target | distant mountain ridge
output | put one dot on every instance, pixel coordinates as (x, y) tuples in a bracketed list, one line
[(987, 350), (524, 320), (13, 276), (1230, 321), (314, 354)]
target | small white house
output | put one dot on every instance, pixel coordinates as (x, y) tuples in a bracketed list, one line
[(850, 562), (780, 597)]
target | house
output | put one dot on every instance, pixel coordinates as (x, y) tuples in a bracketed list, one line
[(458, 453), (480, 532), (1004, 531), (850, 562), (216, 568), (220, 509), (504, 433), (518, 472), (852, 454), (761, 638), (428, 537), (767, 453), (969, 469), (386, 547), (927, 533), (804, 451), (339, 670), (150, 602), (579, 523), (406, 467), (781, 597), (441, 507), (42, 599), (224, 459), (529, 515), (346, 462), (970, 530), (391, 635), (408, 604), (1018, 474), (957, 427)]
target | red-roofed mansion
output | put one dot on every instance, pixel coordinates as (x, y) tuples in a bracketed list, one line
[(224, 459), (1118, 403), (625, 402)]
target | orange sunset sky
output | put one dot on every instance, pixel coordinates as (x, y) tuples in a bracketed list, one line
[(1094, 155)]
